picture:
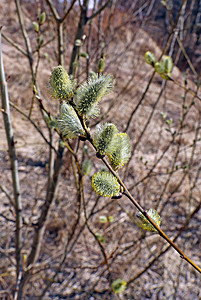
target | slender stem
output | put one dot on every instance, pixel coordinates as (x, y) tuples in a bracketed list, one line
[(14, 164), (26, 38), (60, 43), (19, 48), (99, 10), (34, 124)]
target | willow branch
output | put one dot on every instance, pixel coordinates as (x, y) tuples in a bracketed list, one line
[(139, 207)]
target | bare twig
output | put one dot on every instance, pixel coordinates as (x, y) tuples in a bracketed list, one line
[(13, 162), (34, 124), (18, 47)]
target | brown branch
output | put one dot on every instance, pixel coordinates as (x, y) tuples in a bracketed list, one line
[(99, 10)]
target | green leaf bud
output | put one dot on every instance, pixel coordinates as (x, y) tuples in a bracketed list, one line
[(35, 26), (60, 84), (68, 122), (50, 120), (78, 43), (119, 150), (100, 237), (105, 184), (75, 64), (85, 55), (91, 92), (167, 64), (145, 224), (103, 219), (103, 137), (110, 219), (42, 18), (119, 285), (159, 67), (86, 166), (101, 65), (150, 58), (40, 41)]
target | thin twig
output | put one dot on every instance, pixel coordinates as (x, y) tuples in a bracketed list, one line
[(34, 124), (13, 162), (18, 47)]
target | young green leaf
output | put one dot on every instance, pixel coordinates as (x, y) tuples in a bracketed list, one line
[(105, 184), (91, 92), (119, 150), (145, 224), (68, 122)]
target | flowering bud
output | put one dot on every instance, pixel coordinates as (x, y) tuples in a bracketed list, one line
[(105, 184), (69, 123), (145, 224), (103, 137), (60, 84), (119, 150)]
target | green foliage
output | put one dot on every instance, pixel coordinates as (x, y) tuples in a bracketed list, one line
[(105, 184), (68, 122), (103, 137), (145, 224), (119, 285), (119, 151), (61, 86), (90, 93)]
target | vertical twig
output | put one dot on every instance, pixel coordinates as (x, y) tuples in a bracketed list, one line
[(26, 39), (13, 162)]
